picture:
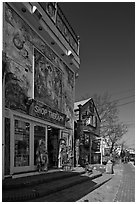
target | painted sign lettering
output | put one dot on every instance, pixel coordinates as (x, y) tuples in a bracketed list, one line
[(45, 112)]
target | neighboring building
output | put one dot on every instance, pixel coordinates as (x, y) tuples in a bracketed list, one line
[(131, 155), (131, 151), (118, 150), (40, 62), (87, 127)]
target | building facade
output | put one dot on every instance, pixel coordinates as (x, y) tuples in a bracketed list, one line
[(40, 62), (87, 137)]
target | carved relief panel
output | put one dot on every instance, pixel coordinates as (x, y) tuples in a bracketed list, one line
[(53, 82), (47, 81)]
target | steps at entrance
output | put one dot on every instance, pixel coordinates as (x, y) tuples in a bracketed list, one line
[(46, 177), (77, 192), (52, 183)]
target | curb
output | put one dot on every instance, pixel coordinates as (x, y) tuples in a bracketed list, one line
[(94, 188), (100, 184)]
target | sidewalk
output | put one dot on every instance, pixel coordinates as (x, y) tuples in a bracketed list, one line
[(120, 188), (126, 191), (106, 192)]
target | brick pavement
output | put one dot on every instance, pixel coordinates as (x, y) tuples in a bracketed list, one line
[(121, 188), (126, 190), (106, 192)]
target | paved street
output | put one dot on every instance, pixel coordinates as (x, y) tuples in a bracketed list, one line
[(121, 188)]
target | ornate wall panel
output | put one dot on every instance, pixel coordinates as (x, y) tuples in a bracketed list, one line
[(47, 81), (54, 81)]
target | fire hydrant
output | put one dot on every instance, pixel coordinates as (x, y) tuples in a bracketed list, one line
[(109, 167)]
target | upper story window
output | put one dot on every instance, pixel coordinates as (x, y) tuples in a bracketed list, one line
[(86, 139), (50, 8), (92, 120), (77, 115), (55, 13)]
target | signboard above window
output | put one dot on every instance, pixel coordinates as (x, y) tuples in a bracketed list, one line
[(44, 112)]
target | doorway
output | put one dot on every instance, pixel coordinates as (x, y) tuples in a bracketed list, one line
[(39, 134), (53, 146)]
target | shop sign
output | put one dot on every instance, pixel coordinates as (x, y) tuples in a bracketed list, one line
[(44, 112)]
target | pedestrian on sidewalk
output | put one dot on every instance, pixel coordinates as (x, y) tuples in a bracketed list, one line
[(86, 164)]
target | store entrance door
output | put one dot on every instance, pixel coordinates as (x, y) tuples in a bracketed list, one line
[(39, 135), (53, 147)]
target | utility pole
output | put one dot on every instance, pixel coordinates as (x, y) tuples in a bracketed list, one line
[(80, 134), (90, 149), (3, 116), (101, 148)]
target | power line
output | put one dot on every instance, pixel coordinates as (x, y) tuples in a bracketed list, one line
[(124, 98), (130, 124), (121, 99), (126, 103), (129, 121), (119, 104), (126, 91), (92, 96)]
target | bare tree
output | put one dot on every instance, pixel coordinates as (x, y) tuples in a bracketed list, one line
[(114, 134), (110, 128)]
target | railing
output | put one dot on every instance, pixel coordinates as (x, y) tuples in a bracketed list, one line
[(55, 13)]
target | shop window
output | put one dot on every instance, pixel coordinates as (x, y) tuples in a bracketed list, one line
[(22, 147), (96, 145), (39, 135), (94, 121), (7, 146), (53, 146)]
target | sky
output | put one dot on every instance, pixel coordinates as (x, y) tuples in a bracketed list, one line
[(107, 54)]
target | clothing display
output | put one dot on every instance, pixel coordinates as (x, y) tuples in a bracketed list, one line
[(42, 157)]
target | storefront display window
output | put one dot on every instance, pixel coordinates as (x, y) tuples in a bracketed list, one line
[(39, 134), (22, 147), (53, 146), (7, 146)]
